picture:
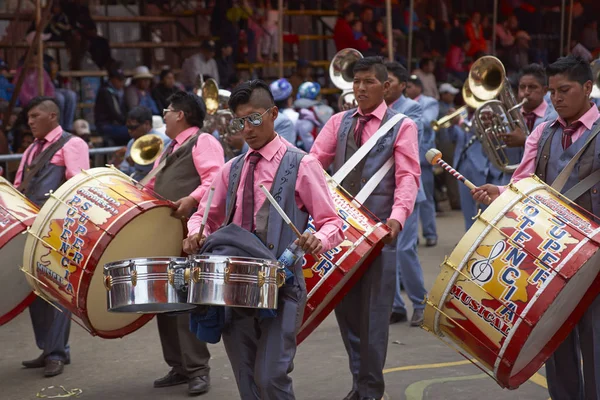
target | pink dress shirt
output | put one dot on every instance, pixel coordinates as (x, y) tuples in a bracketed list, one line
[(208, 158), (527, 166), (312, 194), (406, 157), (540, 110), (74, 155)]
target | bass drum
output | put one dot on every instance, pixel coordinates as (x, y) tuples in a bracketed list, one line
[(17, 213), (97, 217), (518, 282)]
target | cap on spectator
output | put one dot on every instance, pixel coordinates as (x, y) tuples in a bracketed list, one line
[(142, 72), (208, 45), (415, 80), (281, 89), (157, 122), (308, 90), (3, 65), (81, 127), (116, 73), (448, 88)]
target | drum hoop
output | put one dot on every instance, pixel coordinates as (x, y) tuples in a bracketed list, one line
[(145, 261), (234, 260)]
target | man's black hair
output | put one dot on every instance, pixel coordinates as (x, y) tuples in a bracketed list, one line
[(424, 61), (574, 68), (256, 90), (164, 73), (537, 71), (375, 64), (398, 70), (140, 114), (191, 105), (48, 104)]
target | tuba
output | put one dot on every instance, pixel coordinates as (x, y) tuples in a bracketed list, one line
[(470, 102), (146, 149), (499, 113), (595, 65), (218, 116), (342, 76)]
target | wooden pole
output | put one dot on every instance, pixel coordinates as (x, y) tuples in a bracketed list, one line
[(562, 28), (40, 48), (280, 33), (411, 9), (494, 23), (570, 24), (390, 36)]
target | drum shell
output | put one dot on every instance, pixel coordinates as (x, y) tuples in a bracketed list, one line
[(97, 217), (234, 281), (547, 272), (329, 277), (17, 214), (147, 285)]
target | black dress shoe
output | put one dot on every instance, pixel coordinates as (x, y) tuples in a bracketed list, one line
[(171, 379), (199, 385), (39, 362), (398, 317), (53, 368), (417, 318), (353, 395), (430, 242)]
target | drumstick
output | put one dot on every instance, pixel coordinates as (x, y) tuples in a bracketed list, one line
[(280, 211), (211, 193), (434, 156)]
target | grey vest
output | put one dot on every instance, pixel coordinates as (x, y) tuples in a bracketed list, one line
[(48, 178), (179, 177), (551, 159), (380, 202), (270, 227)]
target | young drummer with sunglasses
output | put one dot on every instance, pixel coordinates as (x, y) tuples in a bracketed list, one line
[(262, 350)]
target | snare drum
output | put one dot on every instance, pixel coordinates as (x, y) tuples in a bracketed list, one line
[(234, 281), (518, 281), (147, 285), (97, 217), (17, 213)]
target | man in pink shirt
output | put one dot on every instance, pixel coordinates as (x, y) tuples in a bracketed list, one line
[(548, 150), (48, 162), (189, 165), (364, 314), (261, 350)]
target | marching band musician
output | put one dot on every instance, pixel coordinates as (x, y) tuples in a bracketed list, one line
[(533, 86), (285, 124), (48, 162), (313, 113), (190, 164), (363, 315), (548, 150), (261, 350), (408, 267)]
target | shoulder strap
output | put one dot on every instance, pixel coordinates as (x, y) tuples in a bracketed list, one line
[(562, 178), (41, 160), (162, 163), (583, 186)]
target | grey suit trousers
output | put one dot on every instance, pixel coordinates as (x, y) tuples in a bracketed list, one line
[(51, 329), (364, 318), (184, 353)]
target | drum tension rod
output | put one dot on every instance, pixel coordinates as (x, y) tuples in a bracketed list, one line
[(15, 217)]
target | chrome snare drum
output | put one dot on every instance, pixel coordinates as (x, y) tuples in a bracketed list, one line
[(147, 285), (234, 281)]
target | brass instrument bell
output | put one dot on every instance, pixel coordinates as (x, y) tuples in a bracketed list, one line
[(146, 149)]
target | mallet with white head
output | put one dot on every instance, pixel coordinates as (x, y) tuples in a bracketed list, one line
[(434, 156)]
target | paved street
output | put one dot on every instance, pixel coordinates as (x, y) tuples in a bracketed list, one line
[(419, 366)]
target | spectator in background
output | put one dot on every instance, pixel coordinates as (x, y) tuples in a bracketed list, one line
[(589, 36), (379, 40), (518, 57), (109, 111), (366, 16), (202, 63), (164, 89), (139, 123), (303, 73), (6, 88), (342, 32), (138, 93), (474, 33), (284, 126), (225, 63), (455, 58), (29, 88), (82, 129), (426, 74), (66, 98)]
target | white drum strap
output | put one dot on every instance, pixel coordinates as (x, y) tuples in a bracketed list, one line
[(372, 183)]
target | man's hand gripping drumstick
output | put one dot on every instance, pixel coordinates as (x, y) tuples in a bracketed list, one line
[(484, 194), (307, 241), (195, 242)]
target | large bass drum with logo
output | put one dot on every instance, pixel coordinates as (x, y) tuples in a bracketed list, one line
[(97, 217), (330, 277), (17, 213), (518, 282)]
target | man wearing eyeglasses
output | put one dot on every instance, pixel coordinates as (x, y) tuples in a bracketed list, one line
[(188, 167), (364, 314), (261, 350)]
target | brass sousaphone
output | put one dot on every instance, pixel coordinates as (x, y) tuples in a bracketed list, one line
[(146, 149), (342, 76)]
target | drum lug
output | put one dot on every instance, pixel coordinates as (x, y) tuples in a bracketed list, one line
[(108, 282), (261, 278), (133, 272), (280, 278), (227, 274), (171, 277), (195, 274), (186, 276)]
